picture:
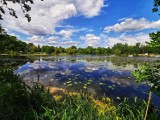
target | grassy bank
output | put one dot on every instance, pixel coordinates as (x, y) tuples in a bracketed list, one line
[(21, 102)]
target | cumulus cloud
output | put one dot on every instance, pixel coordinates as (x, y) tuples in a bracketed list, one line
[(123, 38), (91, 40), (45, 15), (49, 14), (53, 38), (63, 43), (66, 33), (36, 39), (130, 24), (89, 8)]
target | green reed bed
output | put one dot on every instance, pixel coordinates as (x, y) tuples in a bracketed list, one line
[(19, 101)]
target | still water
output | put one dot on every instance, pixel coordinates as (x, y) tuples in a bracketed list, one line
[(101, 75)]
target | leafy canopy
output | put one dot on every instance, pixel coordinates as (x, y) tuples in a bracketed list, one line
[(149, 74), (156, 5), (155, 42)]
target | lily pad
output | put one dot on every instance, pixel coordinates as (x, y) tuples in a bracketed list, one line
[(84, 87), (101, 84), (69, 85), (111, 87), (69, 82), (118, 98), (75, 83)]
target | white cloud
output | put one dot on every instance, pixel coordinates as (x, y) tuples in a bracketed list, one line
[(89, 8), (45, 16), (91, 40), (66, 33), (123, 38), (36, 39), (53, 38), (130, 24), (63, 43), (49, 14)]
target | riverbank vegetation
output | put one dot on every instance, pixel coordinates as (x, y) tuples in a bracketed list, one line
[(20, 101)]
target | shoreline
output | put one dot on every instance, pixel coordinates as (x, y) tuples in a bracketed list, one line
[(111, 55)]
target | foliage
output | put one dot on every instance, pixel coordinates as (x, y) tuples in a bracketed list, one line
[(19, 101), (10, 43), (150, 74), (13, 54), (71, 50), (156, 5), (9, 62), (155, 40), (117, 51), (135, 110)]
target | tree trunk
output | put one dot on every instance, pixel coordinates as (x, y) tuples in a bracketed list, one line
[(149, 100)]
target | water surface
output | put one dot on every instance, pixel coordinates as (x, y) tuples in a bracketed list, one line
[(101, 75)]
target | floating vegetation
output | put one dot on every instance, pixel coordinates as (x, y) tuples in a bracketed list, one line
[(84, 87), (68, 82), (75, 83), (88, 83), (102, 83), (111, 87), (118, 98), (90, 80), (69, 85)]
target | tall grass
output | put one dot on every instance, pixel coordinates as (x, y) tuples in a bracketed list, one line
[(19, 101), (135, 110)]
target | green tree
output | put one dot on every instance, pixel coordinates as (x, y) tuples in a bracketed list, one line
[(71, 50), (155, 41), (117, 51), (48, 49)]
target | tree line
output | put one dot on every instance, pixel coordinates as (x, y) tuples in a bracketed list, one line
[(10, 43)]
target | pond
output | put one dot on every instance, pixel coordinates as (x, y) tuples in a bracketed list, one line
[(100, 75)]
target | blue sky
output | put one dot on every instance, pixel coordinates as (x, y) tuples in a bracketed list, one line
[(97, 23)]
